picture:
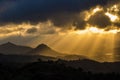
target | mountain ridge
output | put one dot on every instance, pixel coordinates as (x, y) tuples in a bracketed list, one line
[(40, 50), (45, 50), (11, 48)]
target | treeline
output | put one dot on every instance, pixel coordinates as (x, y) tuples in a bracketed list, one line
[(50, 70)]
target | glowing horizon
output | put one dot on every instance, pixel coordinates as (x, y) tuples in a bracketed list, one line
[(92, 32)]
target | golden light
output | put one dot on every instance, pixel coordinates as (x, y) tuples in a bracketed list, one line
[(113, 9), (92, 12), (95, 30), (88, 43), (97, 9), (113, 31), (91, 41), (112, 17), (80, 31), (89, 30)]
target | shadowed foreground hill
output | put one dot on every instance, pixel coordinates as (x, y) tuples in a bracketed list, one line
[(50, 70), (85, 64), (23, 58), (94, 66)]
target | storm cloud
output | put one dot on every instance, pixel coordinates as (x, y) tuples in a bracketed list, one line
[(100, 20), (60, 12), (32, 30)]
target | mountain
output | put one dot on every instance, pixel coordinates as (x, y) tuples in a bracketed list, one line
[(10, 48), (43, 49)]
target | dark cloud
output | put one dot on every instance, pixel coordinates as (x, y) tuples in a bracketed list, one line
[(63, 19), (32, 30), (60, 12), (117, 24), (100, 20), (44, 31), (67, 20), (79, 21)]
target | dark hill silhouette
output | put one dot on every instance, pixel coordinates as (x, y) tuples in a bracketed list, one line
[(10, 48), (43, 49), (74, 57), (85, 64), (53, 70), (94, 66), (23, 58)]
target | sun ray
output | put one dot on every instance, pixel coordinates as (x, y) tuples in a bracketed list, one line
[(96, 44), (81, 41)]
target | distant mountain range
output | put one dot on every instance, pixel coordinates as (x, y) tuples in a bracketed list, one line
[(10, 48), (10, 52), (42, 49)]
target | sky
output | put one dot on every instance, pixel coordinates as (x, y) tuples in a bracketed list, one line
[(85, 26)]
